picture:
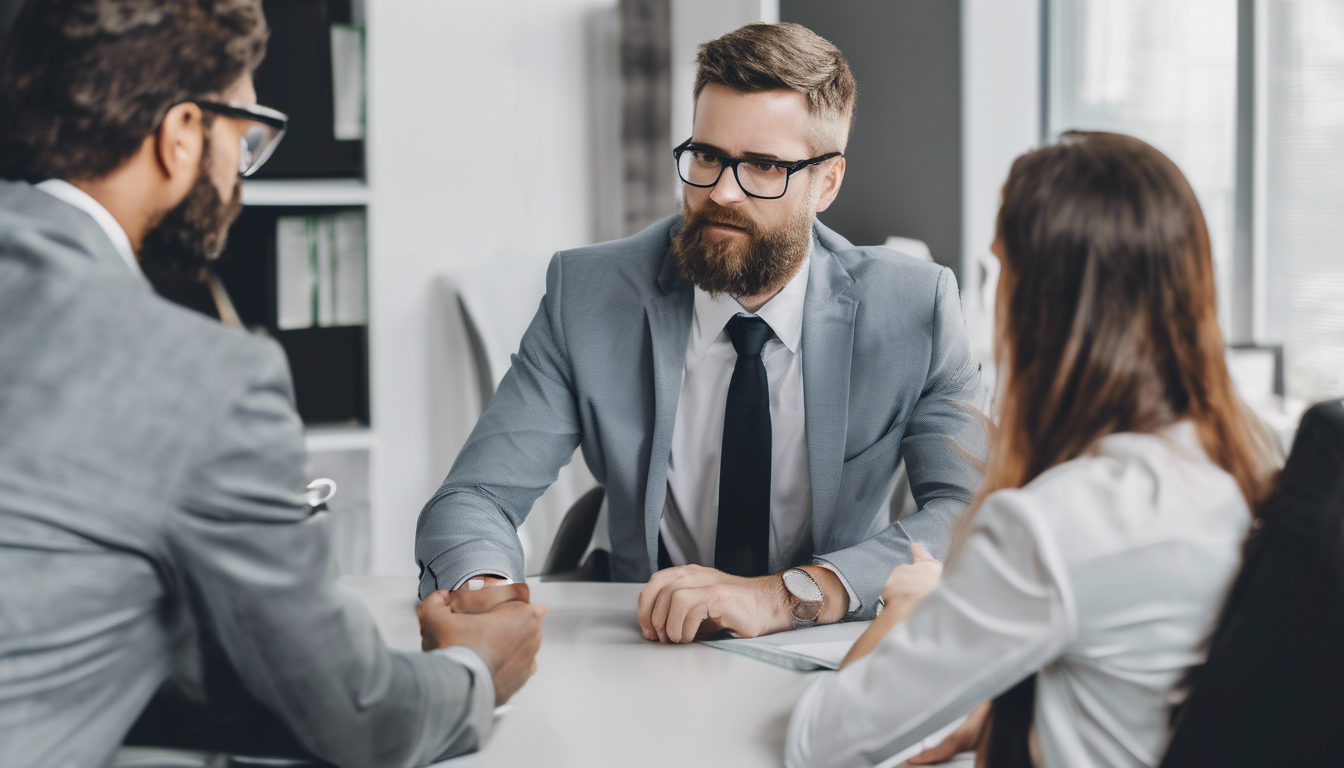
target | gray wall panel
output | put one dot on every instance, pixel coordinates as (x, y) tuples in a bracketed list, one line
[(904, 159)]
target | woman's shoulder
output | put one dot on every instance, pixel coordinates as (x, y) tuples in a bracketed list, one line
[(1129, 490)]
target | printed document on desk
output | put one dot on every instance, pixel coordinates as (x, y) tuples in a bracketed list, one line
[(804, 650)]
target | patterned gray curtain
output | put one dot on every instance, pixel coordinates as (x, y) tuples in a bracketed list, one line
[(648, 178)]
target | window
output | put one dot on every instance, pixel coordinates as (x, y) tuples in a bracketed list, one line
[(1166, 73), (1169, 74), (1301, 250)]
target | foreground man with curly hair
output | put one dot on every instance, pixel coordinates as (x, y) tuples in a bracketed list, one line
[(152, 524)]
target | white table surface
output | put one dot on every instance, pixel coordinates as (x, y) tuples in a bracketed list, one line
[(603, 695)]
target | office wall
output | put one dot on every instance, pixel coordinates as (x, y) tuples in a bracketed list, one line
[(480, 161), (904, 159), (1001, 119), (695, 22)]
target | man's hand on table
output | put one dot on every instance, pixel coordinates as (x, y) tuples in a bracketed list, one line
[(689, 601), (507, 635)]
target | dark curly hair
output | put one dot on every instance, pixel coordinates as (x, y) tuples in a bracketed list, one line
[(83, 82)]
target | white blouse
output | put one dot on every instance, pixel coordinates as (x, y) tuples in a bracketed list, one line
[(1105, 574)]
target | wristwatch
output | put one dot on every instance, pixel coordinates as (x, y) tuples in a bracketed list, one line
[(803, 587)]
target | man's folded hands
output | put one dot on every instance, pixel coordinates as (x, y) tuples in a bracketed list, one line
[(497, 622)]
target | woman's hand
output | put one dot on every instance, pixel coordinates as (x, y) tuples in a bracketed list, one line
[(905, 588), (964, 739), (909, 584)]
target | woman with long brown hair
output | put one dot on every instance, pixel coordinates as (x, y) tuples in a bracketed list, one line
[(1093, 563)]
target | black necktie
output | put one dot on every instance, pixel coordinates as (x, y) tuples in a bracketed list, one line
[(742, 545)]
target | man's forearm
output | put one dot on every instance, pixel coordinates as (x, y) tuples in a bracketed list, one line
[(834, 599), (853, 603)]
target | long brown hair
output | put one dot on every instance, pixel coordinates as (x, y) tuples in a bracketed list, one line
[(1106, 323)]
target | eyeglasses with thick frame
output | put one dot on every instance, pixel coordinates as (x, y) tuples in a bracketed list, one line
[(260, 140), (726, 161)]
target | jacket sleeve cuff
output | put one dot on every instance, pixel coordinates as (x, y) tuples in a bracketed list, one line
[(482, 714), (451, 570)]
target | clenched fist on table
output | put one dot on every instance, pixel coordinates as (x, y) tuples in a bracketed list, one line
[(496, 622)]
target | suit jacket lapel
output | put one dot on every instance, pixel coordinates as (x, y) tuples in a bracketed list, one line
[(828, 346), (669, 314)]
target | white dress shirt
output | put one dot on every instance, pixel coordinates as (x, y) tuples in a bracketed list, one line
[(691, 512), (1104, 576), (69, 193)]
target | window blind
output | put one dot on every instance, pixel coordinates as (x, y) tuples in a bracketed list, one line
[(1166, 73), (1303, 193)]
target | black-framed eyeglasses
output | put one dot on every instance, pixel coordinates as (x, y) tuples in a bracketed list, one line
[(758, 177), (261, 139)]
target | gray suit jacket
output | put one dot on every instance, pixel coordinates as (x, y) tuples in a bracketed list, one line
[(887, 373), (151, 510)]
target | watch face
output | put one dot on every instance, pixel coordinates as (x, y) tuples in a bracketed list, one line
[(802, 586), (807, 610)]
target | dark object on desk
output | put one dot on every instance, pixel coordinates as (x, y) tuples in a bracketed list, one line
[(296, 78), (1272, 690), (571, 541)]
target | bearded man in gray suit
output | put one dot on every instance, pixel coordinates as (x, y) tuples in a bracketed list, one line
[(742, 380), (152, 522)]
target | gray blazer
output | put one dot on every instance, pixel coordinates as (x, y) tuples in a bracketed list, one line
[(152, 518), (887, 374)]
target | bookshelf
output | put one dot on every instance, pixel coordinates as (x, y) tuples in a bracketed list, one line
[(459, 175), (316, 174)]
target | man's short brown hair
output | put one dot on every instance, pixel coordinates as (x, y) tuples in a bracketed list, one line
[(767, 57), (84, 82)]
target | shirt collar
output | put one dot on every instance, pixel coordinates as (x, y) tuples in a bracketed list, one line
[(783, 313), (69, 193)]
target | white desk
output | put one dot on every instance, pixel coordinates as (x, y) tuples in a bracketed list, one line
[(603, 695)]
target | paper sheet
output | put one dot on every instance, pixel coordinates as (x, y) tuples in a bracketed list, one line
[(810, 649), (830, 654)]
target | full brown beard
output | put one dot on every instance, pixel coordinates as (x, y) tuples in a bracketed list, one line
[(762, 265), (190, 236)]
